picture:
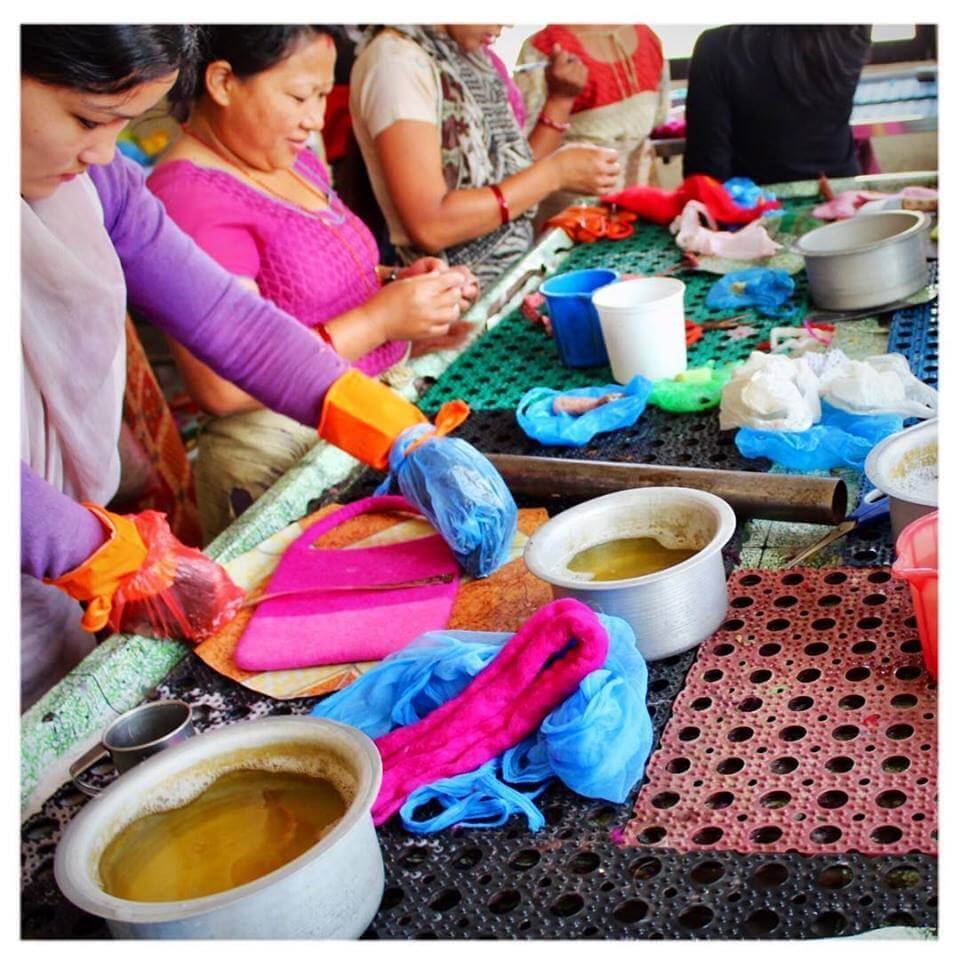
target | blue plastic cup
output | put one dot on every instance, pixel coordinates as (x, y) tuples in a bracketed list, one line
[(576, 326)]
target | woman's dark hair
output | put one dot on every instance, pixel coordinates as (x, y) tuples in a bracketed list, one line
[(248, 48), (814, 63), (109, 58)]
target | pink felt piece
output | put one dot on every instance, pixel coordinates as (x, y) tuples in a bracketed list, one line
[(845, 205), (505, 702), (751, 242), (344, 626)]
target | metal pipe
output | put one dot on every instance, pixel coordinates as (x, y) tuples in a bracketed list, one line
[(767, 496)]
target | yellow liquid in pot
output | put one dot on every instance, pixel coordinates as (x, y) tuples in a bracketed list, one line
[(244, 825), (626, 558)]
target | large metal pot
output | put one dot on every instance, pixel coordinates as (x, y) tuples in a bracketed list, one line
[(671, 610), (867, 261), (892, 466), (332, 890)]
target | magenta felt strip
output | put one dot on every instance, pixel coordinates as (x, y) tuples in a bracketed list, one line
[(504, 703)]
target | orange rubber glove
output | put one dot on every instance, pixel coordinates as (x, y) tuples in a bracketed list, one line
[(144, 580), (363, 417)]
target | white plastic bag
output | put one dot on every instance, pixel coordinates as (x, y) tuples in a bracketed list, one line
[(881, 384), (771, 392)]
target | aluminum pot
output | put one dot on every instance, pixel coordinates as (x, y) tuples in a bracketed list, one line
[(332, 890), (867, 261), (892, 466), (670, 611)]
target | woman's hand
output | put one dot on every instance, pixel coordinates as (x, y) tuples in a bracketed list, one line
[(417, 307), (567, 75), (470, 289), (421, 266), (453, 339), (584, 168)]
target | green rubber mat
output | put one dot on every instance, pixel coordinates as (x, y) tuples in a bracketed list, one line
[(517, 355)]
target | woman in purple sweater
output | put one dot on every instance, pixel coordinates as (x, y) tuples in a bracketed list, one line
[(93, 239)]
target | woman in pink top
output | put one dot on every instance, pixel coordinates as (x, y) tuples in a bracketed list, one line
[(243, 184)]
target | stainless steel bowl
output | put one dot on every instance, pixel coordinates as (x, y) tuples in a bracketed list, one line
[(670, 611), (867, 261)]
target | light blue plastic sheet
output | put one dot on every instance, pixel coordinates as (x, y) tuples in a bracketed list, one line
[(597, 741), (840, 439), (538, 421), (766, 289)]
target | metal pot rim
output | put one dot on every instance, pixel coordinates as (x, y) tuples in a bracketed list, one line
[(920, 221), (89, 896), (726, 524), (870, 467)]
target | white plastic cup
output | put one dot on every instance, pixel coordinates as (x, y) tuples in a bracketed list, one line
[(643, 328)]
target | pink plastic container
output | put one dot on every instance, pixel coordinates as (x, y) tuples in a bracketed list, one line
[(917, 564)]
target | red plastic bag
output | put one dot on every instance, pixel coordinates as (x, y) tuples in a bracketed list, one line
[(179, 593)]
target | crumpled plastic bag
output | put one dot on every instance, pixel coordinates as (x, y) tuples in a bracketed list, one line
[(771, 392), (882, 384), (537, 418), (460, 492), (745, 193), (766, 289), (597, 741), (178, 593), (840, 439), (694, 390)]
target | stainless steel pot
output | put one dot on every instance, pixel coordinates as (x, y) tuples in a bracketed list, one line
[(889, 467), (331, 890), (671, 610), (867, 261)]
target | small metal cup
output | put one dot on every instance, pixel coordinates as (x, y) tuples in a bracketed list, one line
[(134, 736)]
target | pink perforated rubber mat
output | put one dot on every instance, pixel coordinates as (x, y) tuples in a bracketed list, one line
[(806, 723)]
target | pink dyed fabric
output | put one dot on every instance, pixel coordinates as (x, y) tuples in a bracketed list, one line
[(314, 266), (751, 242), (847, 203), (348, 626), (505, 702)]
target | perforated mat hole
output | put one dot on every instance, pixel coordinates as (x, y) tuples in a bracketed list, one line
[(775, 799), (816, 649), (886, 834), (391, 897), (845, 732), (741, 602), (869, 623), (712, 676), (602, 816), (719, 800), (646, 868), (707, 835), (911, 622), (863, 646), (584, 863), (907, 673), (792, 734), (810, 675), (760, 676), (504, 902), (879, 576), (826, 834), (723, 649), (446, 900), (777, 624), (910, 646), (902, 878), (857, 674), (665, 800), (829, 924), (651, 835), (766, 834), (832, 799), (730, 765), (899, 731), (874, 599), (707, 872), (836, 576), (695, 917), (740, 734), (701, 703), (733, 624), (567, 905), (761, 922), (836, 876), (750, 580), (829, 600), (890, 799), (631, 911), (899, 919), (800, 703), (785, 602), (750, 705), (525, 859), (678, 765), (783, 765)]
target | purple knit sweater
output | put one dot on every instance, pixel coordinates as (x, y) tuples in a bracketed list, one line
[(187, 294)]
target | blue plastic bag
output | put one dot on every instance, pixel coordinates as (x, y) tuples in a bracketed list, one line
[(458, 490), (766, 289), (840, 439), (538, 421), (597, 741), (745, 193)]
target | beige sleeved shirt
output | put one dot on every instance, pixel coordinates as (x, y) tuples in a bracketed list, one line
[(392, 79)]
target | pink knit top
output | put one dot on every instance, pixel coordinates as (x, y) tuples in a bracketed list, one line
[(316, 266)]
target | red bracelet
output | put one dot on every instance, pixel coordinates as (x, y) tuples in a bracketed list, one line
[(321, 331), (502, 200), (558, 125)]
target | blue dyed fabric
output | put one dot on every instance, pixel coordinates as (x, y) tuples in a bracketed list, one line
[(766, 289)]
